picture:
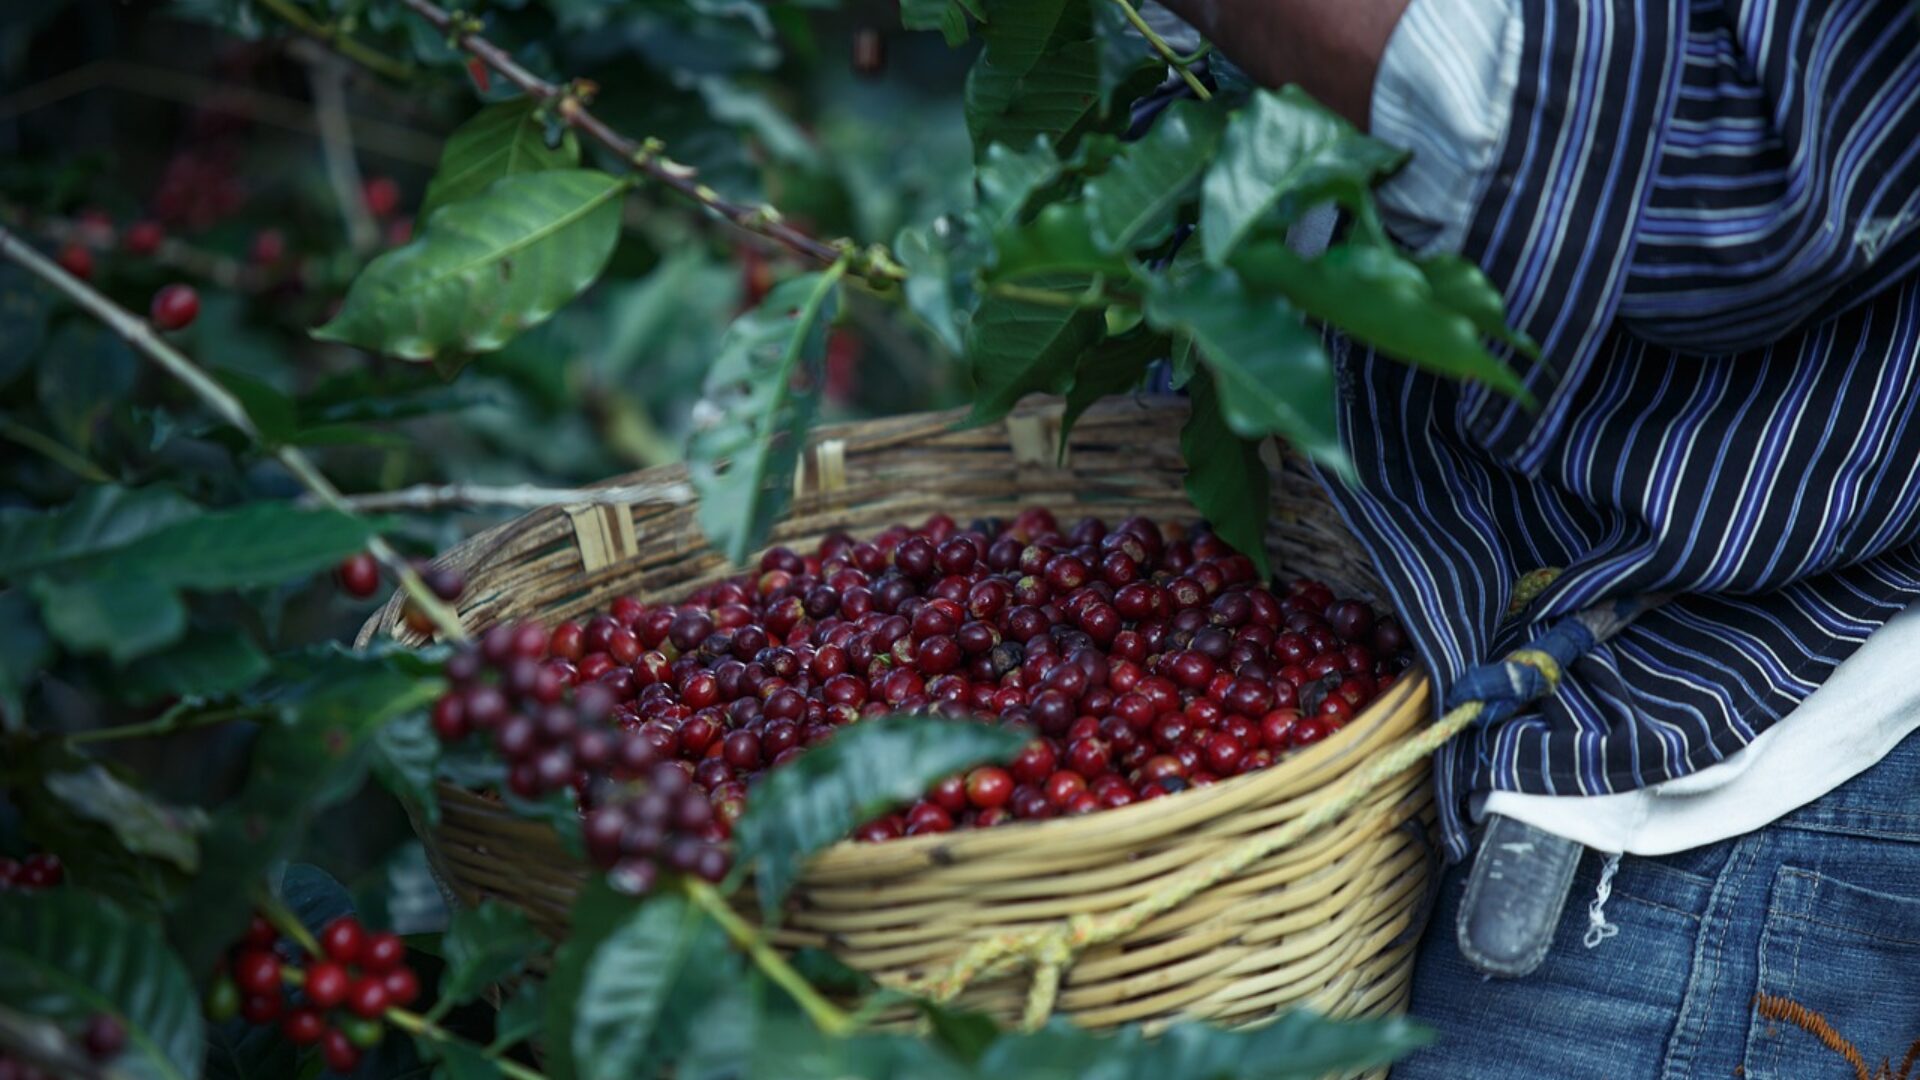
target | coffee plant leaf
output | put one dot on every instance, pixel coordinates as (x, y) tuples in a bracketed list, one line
[(791, 1048), (499, 141), (238, 1050), (84, 371), (1225, 478), (1058, 240), (520, 1015), (25, 651), (818, 798), (1379, 297), (725, 1029), (598, 911), (93, 852), (626, 986), (1112, 367), (1283, 143), (1459, 285), (1271, 370), (946, 16), (101, 518), (1016, 347), (406, 755), (1007, 179), (763, 391), (313, 760), (458, 1060), (484, 945), (67, 954), (1124, 54), (262, 543), (965, 1035), (143, 825), (1038, 74), (24, 306), (1132, 203), (932, 289), (1299, 1045), (314, 896), (486, 268), (206, 663), (121, 616)]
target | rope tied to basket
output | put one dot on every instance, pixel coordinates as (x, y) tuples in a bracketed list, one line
[(1485, 695)]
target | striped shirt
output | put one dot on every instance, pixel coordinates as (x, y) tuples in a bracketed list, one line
[(1708, 214)]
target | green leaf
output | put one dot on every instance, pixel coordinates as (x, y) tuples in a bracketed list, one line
[(25, 650), (66, 954), (24, 306), (1038, 75), (625, 987), (486, 268), (741, 106), (519, 1019), (1124, 54), (316, 758), (742, 460), (484, 945), (598, 911), (262, 543), (99, 519), (1056, 241), (84, 371), (96, 858), (459, 1060), (1273, 374), (946, 16), (273, 412), (123, 617), (499, 141), (142, 825), (791, 1048), (206, 664), (1378, 297), (1116, 366), (1226, 479), (934, 257), (818, 798), (1458, 284), (1007, 178), (406, 754), (1298, 1046), (1132, 203), (966, 1034), (1018, 347), (1283, 146)]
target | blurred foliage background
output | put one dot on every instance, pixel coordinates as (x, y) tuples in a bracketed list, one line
[(277, 170)]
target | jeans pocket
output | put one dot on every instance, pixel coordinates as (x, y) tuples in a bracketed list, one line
[(1839, 981)]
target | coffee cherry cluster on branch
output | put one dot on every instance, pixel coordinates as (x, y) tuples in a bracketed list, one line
[(336, 999), (41, 870), (1144, 659)]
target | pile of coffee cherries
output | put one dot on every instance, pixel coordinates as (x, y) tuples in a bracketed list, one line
[(336, 999), (1144, 658), (41, 870)]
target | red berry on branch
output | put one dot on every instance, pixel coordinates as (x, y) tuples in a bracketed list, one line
[(303, 1026), (327, 983), (368, 996), (382, 195), (257, 972), (76, 259), (104, 1037), (359, 575), (338, 1051), (143, 238), (174, 307), (342, 939)]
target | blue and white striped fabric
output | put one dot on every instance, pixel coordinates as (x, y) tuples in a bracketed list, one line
[(1709, 216)]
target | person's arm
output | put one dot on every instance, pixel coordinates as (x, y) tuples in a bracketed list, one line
[(1332, 48)]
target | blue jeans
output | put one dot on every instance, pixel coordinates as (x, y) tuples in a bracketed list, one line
[(1821, 909)]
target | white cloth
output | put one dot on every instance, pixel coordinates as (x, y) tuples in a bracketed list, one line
[(1863, 710), (1445, 91)]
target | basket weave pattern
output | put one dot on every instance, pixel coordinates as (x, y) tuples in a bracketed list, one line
[(1328, 922)]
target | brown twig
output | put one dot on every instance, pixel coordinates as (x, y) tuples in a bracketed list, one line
[(513, 496), (229, 273), (648, 157), (137, 333)]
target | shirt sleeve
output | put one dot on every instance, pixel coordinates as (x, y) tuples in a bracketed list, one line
[(1444, 91)]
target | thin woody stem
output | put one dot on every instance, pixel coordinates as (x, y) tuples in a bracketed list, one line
[(137, 333)]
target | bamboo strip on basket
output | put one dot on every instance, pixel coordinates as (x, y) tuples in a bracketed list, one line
[(1323, 922)]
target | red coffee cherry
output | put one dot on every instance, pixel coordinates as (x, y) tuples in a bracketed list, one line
[(174, 307)]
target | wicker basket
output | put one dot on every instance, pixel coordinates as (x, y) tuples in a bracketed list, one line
[(1328, 921)]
